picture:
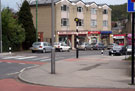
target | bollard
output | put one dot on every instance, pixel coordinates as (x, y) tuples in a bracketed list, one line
[(102, 52), (10, 50)]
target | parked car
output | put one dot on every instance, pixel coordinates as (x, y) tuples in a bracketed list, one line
[(110, 46), (61, 46), (129, 49), (117, 50), (99, 46), (41, 46), (85, 46)]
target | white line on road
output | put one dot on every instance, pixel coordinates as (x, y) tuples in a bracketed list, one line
[(40, 58), (27, 57), (13, 73), (12, 57)]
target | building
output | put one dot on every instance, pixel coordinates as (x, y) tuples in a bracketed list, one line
[(94, 25)]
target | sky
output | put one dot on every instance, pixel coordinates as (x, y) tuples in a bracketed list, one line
[(14, 4)]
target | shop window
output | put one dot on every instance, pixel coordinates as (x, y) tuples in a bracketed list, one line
[(64, 22), (64, 8), (79, 9)]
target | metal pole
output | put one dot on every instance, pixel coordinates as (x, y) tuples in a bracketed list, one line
[(0, 30), (77, 42), (36, 20), (132, 68), (53, 49)]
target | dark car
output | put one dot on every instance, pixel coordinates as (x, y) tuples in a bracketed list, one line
[(117, 50), (99, 46)]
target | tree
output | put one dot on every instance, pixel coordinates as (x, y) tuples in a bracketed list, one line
[(12, 32), (25, 17)]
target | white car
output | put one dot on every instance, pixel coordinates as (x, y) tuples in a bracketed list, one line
[(61, 46)]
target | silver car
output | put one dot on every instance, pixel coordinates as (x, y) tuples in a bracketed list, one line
[(41, 46)]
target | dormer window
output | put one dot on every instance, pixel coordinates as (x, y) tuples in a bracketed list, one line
[(64, 8), (105, 11), (79, 9)]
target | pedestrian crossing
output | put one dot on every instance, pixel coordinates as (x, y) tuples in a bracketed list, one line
[(29, 58)]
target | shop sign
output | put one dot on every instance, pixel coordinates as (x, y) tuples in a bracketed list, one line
[(93, 32), (119, 36), (71, 33)]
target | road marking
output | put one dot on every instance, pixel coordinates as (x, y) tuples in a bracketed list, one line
[(27, 57), (21, 63), (13, 73), (12, 57), (46, 60), (40, 58)]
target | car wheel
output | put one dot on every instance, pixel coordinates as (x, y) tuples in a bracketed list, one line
[(33, 51), (60, 50), (85, 49), (44, 51)]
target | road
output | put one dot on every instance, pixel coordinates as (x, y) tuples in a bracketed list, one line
[(12, 65)]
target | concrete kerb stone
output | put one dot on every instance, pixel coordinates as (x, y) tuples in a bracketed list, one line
[(76, 76)]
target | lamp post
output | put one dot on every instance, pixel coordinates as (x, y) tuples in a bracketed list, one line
[(36, 20), (53, 49), (0, 30)]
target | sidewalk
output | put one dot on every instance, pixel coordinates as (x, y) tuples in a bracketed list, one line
[(85, 72)]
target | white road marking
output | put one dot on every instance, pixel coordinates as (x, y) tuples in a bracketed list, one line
[(27, 57), (13, 73), (12, 57), (45, 60), (40, 58)]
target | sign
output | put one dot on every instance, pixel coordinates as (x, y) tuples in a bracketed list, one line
[(71, 33), (93, 32), (119, 36), (131, 6)]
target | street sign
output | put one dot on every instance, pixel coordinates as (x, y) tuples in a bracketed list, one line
[(131, 6)]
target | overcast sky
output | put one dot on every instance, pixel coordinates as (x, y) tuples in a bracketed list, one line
[(14, 3)]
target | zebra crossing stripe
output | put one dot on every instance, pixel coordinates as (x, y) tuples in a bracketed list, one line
[(27, 57), (12, 57), (45, 60), (40, 58)]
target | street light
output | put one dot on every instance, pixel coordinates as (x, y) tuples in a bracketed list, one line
[(53, 49), (0, 30), (36, 20)]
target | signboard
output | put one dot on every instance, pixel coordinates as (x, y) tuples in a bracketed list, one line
[(93, 32), (72, 33), (131, 6)]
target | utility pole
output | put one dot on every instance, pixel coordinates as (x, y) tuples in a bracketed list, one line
[(36, 20), (53, 49), (0, 30)]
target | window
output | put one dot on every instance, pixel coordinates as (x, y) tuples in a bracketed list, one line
[(79, 9), (64, 22), (93, 23), (105, 23), (64, 8), (81, 22), (105, 11), (93, 11)]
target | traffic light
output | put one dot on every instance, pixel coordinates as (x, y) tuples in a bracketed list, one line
[(132, 0), (77, 20)]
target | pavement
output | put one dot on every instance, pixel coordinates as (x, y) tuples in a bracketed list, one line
[(97, 71)]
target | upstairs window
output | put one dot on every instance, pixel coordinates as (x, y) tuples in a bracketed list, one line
[(64, 8), (81, 22), (105, 11), (79, 9), (93, 23), (64, 22), (93, 11), (105, 23)]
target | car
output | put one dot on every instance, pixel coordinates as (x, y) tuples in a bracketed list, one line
[(61, 46), (117, 50), (110, 46), (41, 47), (99, 46), (85, 46)]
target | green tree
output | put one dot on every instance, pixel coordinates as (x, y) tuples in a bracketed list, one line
[(25, 18), (12, 32)]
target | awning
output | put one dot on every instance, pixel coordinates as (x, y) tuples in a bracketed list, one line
[(106, 32)]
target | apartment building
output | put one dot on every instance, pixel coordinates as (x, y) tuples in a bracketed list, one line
[(94, 25)]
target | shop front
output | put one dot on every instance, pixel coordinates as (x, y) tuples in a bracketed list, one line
[(119, 39), (105, 37), (69, 37), (93, 36)]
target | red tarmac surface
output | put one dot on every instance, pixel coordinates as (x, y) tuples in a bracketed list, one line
[(13, 85)]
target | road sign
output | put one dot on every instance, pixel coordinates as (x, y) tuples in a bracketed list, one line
[(131, 6)]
